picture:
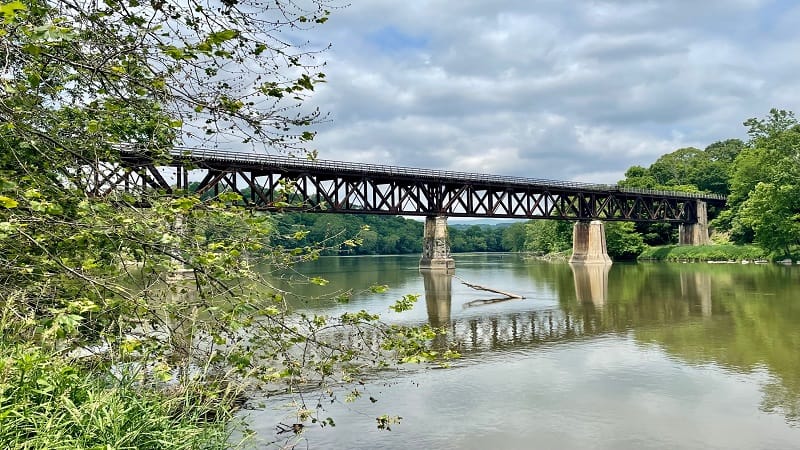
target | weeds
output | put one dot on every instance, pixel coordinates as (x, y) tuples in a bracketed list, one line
[(47, 403)]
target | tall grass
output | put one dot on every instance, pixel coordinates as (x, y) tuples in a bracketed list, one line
[(48, 403)]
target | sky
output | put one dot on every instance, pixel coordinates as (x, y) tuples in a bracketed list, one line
[(554, 89)]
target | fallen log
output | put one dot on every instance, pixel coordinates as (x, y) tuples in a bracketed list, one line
[(484, 288)]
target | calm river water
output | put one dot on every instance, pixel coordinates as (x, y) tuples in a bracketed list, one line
[(639, 356)]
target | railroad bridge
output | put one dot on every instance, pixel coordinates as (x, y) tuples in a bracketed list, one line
[(285, 183)]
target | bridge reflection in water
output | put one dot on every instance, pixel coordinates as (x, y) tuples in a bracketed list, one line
[(591, 282), (584, 311)]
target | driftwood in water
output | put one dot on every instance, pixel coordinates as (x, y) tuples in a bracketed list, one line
[(484, 288)]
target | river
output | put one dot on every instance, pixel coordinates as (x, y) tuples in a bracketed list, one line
[(634, 356)]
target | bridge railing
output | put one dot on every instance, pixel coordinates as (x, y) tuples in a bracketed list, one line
[(290, 162)]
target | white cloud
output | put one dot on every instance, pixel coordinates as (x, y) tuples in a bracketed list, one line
[(550, 89)]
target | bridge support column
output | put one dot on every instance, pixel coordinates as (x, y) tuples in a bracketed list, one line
[(589, 243), (695, 233), (436, 245)]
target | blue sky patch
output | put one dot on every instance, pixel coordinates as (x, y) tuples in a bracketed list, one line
[(391, 39)]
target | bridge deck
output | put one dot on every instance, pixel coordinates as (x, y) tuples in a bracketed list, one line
[(227, 160), (270, 182)]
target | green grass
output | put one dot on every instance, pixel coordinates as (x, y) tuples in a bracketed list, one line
[(722, 252), (47, 403)]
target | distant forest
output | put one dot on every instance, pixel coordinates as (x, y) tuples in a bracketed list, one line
[(364, 234)]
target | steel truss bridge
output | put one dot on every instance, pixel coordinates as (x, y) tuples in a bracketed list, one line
[(283, 183)]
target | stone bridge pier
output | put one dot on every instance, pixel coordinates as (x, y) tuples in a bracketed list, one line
[(436, 245), (695, 233), (589, 243)]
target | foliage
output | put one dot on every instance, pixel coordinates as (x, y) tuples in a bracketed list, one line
[(47, 403), (622, 241), (773, 213), (477, 238), (514, 237), (548, 236), (371, 234), (763, 203), (688, 169), (383, 235), (724, 252), (176, 288), (93, 73), (760, 176)]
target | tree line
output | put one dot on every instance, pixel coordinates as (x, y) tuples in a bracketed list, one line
[(761, 178), (367, 234)]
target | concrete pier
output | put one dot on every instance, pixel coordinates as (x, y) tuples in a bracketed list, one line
[(436, 245), (589, 243), (695, 233)]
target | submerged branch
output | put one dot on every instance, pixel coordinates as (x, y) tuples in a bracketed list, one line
[(488, 301)]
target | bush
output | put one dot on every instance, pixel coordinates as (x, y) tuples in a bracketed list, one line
[(703, 253)]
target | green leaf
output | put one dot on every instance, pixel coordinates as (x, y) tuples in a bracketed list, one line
[(230, 197), (162, 372), (318, 281), (9, 10), (221, 36), (7, 202), (405, 303), (300, 235), (185, 204), (378, 288), (173, 52)]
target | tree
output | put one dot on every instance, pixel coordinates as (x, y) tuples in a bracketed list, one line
[(638, 177), (514, 237), (773, 213), (548, 236), (687, 169), (677, 168), (765, 184), (622, 241), (725, 151), (83, 79)]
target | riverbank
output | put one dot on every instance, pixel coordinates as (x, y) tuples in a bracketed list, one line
[(725, 252)]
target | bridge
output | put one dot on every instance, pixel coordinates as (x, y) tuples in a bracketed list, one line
[(284, 183)]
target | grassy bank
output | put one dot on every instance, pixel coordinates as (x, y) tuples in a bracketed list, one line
[(46, 402), (725, 252)]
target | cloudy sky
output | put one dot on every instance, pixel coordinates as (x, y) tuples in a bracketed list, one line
[(557, 89)]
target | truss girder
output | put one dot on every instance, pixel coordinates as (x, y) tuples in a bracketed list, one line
[(276, 188)]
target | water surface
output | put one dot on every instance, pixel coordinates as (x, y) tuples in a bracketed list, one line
[(627, 357)]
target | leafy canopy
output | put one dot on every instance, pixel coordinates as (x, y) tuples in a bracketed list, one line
[(159, 292)]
